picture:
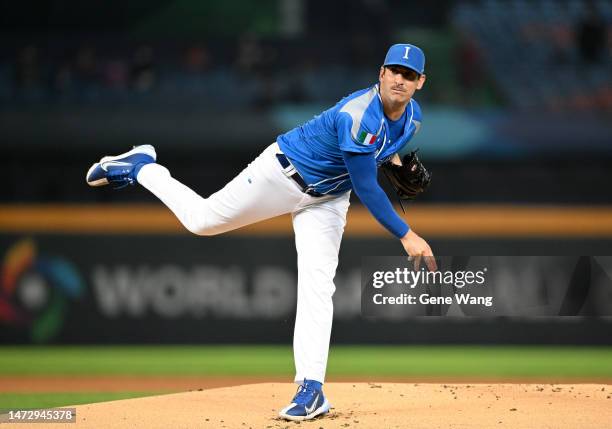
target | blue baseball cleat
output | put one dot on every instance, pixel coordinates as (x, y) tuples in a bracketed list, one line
[(308, 403), (120, 170)]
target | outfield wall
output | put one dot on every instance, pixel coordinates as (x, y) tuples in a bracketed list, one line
[(172, 287)]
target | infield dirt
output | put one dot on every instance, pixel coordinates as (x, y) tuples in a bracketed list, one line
[(364, 405)]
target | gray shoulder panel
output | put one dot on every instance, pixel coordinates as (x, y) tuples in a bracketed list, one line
[(357, 107)]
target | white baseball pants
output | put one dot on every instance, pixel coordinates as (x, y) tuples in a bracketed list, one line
[(259, 192)]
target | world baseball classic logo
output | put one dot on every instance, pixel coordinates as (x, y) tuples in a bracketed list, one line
[(35, 290)]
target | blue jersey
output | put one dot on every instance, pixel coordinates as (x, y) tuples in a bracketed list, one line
[(356, 123)]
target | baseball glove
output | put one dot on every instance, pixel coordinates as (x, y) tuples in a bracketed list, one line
[(409, 179)]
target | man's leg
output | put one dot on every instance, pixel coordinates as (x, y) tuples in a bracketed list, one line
[(259, 192), (318, 233)]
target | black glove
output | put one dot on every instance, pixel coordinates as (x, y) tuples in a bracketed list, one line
[(409, 179)]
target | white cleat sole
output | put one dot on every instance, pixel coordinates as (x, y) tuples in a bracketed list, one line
[(146, 149)]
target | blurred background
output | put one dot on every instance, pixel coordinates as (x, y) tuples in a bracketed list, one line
[(517, 131), (518, 96)]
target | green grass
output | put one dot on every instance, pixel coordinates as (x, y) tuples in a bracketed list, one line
[(382, 361), (484, 361), (55, 399)]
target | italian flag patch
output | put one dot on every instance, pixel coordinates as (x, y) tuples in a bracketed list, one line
[(366, 138)]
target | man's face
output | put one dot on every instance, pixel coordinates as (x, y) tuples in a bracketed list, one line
[(398, 84)]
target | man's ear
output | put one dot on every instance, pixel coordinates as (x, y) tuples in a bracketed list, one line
[(382, 72), (421, 81)]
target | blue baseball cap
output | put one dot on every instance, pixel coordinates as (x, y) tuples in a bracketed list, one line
[(404, 54)]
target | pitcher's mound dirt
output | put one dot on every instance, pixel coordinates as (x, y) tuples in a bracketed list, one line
[(366, 405)]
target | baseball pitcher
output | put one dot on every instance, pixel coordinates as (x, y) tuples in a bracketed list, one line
[(309, 172)]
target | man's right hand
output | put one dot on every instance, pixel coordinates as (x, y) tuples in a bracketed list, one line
[(417, 248)]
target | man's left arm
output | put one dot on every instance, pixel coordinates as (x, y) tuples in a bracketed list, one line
[(362, 170)]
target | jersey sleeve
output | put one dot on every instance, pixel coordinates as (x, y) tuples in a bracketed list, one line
[(356, 139), (362, 170)]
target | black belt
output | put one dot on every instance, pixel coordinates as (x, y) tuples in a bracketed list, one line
[(285, 163)]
